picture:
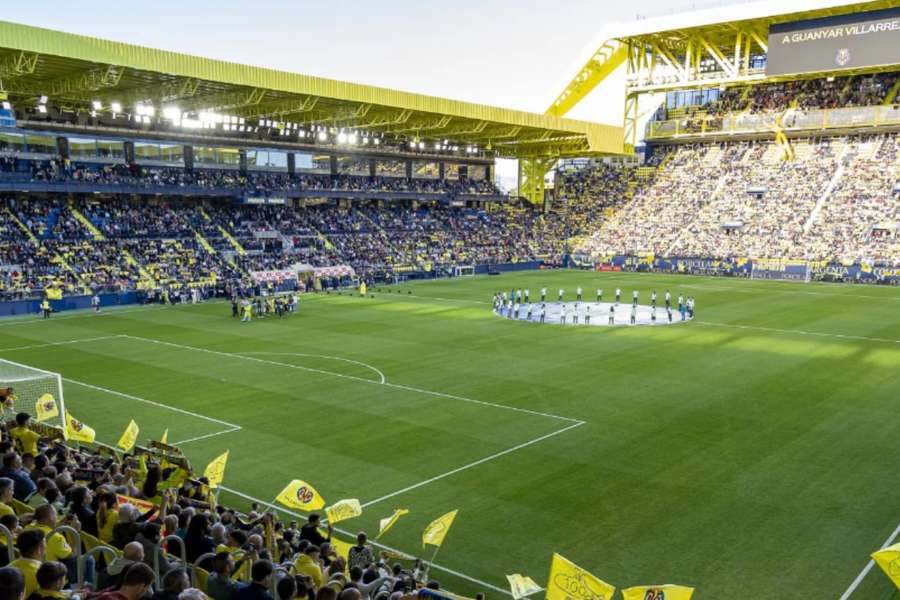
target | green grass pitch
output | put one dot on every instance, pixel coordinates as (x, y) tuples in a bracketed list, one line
[(753, 453)]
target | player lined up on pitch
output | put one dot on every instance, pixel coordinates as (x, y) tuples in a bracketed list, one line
[(516, 305), (264, 306)]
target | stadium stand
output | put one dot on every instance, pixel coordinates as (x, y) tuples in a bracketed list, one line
[(108, 524)]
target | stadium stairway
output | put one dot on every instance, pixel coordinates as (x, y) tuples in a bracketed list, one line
[(892, 94), (23, 227), (79, 216), (231, 240), (820, 203), (204, 243)]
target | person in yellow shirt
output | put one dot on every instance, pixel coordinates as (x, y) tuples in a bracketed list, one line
[(32, 547), (6, 496), (308, 564), (25, 438), (45, 520)]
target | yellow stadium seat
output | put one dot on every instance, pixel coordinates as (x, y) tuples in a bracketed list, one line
[(200, 578)]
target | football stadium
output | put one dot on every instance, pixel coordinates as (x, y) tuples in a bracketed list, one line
[(266, 335)]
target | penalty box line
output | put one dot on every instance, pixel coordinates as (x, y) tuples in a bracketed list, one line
[(573, 423), (230, 427), (447, 570)]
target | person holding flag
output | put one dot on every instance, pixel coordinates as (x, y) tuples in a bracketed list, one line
[(215, 470), (129, 437), (436, 531)]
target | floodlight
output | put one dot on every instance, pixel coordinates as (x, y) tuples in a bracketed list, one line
[(97, 105), (322, 136), (42, 100), (116, 107), (352, 139), (342, 138), (172, 113), (42, 109)]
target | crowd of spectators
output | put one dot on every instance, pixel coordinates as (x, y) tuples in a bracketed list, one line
[(164, 535), (835, 201), (229, 181)]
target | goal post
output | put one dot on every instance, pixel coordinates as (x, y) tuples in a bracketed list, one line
[(31, 385), (464, 270)]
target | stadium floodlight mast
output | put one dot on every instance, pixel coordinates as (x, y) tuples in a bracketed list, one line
[(116, 107)]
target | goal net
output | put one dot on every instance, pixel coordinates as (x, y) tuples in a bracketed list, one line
[(37, 392), (781, 269), (464, 270)]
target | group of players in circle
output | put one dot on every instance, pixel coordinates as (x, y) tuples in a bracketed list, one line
[(517, 303)]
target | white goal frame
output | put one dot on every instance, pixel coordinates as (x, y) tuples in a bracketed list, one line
[(26, 404), (464, 271)]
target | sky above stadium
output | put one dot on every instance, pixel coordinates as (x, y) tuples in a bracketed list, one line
[(511, 53)]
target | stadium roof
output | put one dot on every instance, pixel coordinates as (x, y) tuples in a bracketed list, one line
[(716, 26), (75, 70)]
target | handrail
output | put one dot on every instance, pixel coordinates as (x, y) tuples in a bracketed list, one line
[(10, 548), (274, 585), (197, 562), (158, 547), (108, 551), (76, 546)]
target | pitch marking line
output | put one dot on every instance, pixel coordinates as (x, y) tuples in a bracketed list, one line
[(447, 570), (82, 314), (574, 422), (381, 376), (868, 567), (841, 336), (473, 464), (355, 378), (64, 343), (231, 427)]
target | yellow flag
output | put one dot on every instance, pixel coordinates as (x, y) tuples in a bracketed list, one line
[(342, 510), (658, 592), (165, 437), (215, 470), (78, 431), (45, 408), (129, 437), (889, 561), (437, 530), (388, 522), (568, 581), (522, 586), (301, 495)]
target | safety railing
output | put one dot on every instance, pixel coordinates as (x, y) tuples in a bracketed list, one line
[(790, 120), (74, 538), (158, 550), (10, 547), (197, 568)]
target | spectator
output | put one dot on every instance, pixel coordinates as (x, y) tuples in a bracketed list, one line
[(32, 549), (51, 578), (261, 574), (136, 583), (12, 584), (23, 487)]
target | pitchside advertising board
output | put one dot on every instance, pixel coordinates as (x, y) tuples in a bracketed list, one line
[(868, 39)]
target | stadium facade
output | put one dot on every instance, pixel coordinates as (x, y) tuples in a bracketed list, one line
[(127, 168)]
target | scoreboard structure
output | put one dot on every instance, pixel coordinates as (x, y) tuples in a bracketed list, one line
[(738, 45)]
